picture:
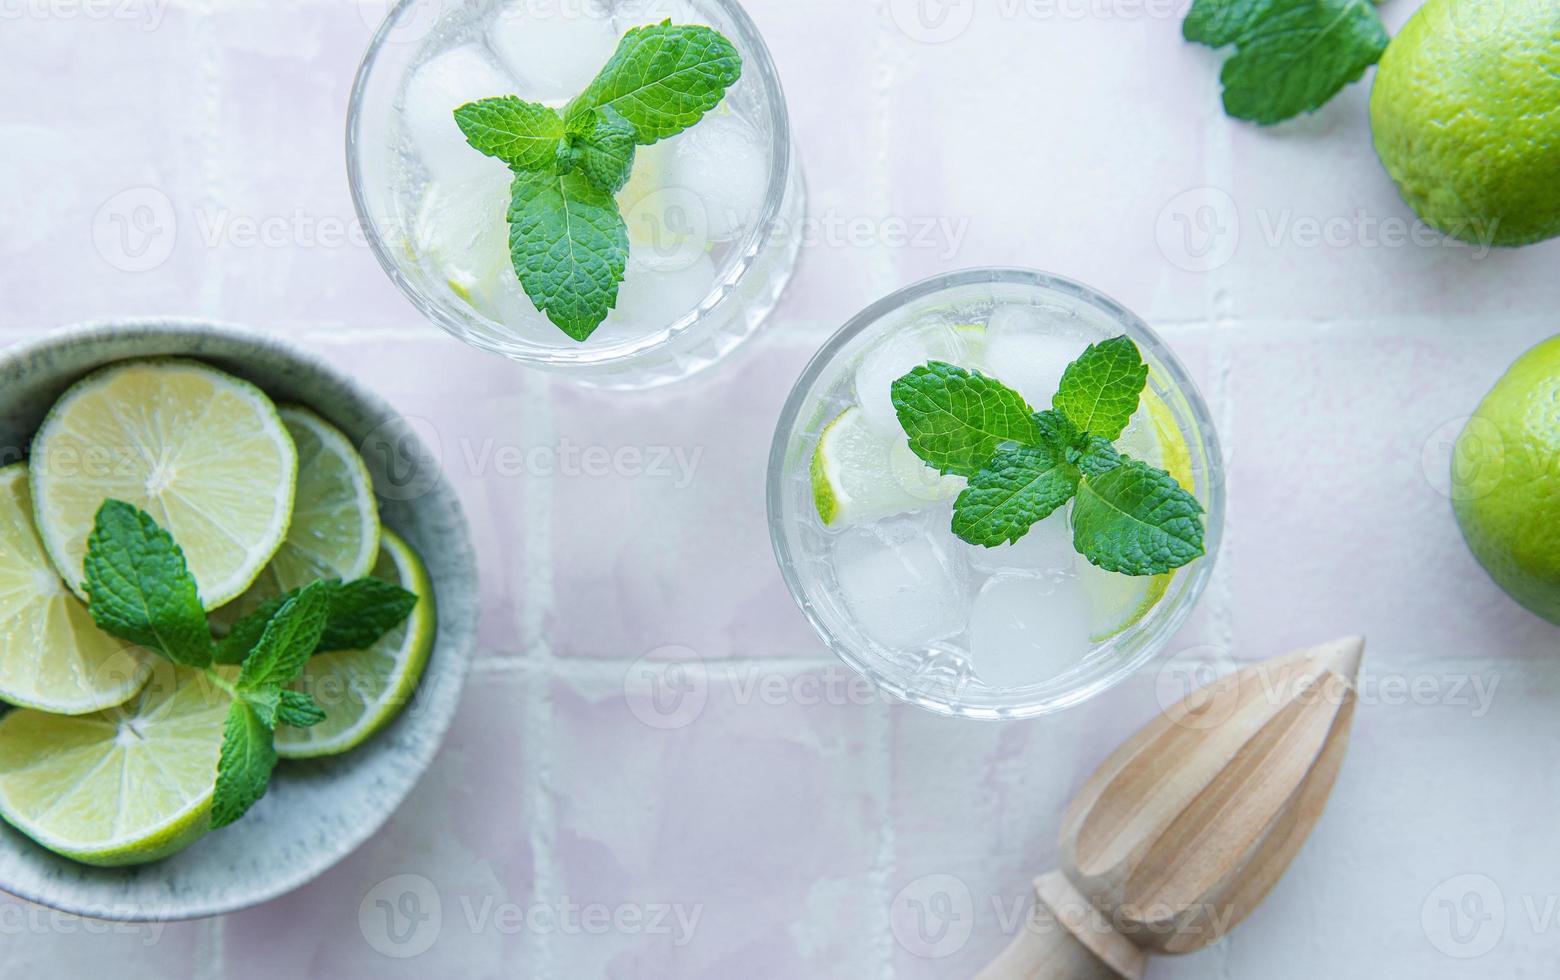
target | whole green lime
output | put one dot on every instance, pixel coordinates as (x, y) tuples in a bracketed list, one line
[(1506, 481), (1465, 114)]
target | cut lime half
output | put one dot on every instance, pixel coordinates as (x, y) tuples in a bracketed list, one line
[(363, 690), (335, 522), (204, 453), (52, 656), (122, 786)]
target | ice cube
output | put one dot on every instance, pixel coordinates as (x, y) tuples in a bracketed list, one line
[(901, 585), (436, 89), (652, 299), (723, 162), (1026, 350), (892, 358), (1140, 439), (1046, 548), (553, 48), (461, 234), (508, 304), (1028, 629), (637, 13)]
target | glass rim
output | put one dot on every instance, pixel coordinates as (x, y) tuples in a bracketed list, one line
[(781, 165), (1183, 601)]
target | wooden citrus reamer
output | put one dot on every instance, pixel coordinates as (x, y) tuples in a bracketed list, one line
[(1182, 831)]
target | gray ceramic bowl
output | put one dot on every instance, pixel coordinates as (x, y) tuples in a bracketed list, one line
[(316, 812)]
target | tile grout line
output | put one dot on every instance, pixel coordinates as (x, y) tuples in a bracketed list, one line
[(536, 728), (209, 107), (881, 749), (210, 114)]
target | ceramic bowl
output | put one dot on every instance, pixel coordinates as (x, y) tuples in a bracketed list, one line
[(315, 812)]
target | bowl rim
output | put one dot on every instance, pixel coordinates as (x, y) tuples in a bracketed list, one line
[(453, 656)]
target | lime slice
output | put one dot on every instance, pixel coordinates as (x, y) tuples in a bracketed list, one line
[(1120, 602), (362, 690), (121, 786), (201, 451), (860, 475), (52, 656), (335, 521)]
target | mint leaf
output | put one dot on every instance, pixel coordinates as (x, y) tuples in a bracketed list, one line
[(140, 587), (663, 78), (299, 710), (1099, 456), (360, 613), (289, 640), (1291, 56), (569, 246), (958, 419), (1014, 491), (1100, 390), (523, 134), (244, 767), (1136, 520), (603, 149)]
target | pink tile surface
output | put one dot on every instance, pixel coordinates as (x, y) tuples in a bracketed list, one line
[(659, 533), (652, 730)]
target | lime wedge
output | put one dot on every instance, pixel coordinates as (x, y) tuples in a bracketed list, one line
[(52, 656), (362, 690), (335, 520), (860, 475), (122, 786), (201, 451)]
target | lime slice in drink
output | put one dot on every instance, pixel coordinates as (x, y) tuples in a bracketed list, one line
[(202, 452), (1120, 602), (335, 521), (121, 786), (52, 656), (860, 475), (362, 690)]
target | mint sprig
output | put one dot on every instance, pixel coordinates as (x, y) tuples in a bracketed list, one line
[(1291, 56), (1023, 465), (140, 589), (568, 242)]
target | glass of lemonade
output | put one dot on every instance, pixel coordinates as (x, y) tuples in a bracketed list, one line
[(711, 212), (862, 527)]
